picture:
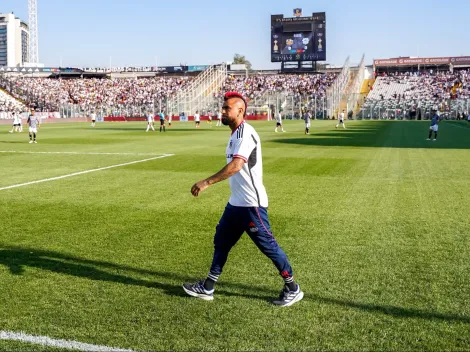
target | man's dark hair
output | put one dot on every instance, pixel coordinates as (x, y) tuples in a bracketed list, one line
[(230, 95)]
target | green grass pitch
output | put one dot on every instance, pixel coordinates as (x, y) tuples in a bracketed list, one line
[(374, 219)]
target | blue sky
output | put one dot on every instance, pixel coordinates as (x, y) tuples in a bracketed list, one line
[(135, 33)]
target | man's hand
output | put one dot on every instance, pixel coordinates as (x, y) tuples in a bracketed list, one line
[(199, 187), (228, 171)]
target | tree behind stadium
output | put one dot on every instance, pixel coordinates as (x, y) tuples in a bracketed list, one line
[(241, 59)]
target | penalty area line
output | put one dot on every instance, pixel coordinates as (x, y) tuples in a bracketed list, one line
[(50, 342), (85, 172)]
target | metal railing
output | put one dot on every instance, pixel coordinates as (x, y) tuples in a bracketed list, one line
[(336, 91), (452, 109), (354, 92), (200, 94)]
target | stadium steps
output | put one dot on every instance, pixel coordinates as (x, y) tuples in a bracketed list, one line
[(344, 100), (12, 96), (199, 95), (365, 90)]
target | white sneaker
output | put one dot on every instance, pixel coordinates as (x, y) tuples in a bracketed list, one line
[(34, 142), (288, 298), (197, 290), (428, 139), (30, 142), (434, 140)]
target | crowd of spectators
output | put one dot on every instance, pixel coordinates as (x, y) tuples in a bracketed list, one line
[(8, 104), (417, 94), (255, 86), (50, 93), (423, 86)]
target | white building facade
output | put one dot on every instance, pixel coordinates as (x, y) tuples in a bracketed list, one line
[(14, 41)]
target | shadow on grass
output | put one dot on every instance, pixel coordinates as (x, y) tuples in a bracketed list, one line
[(388, 134), (17, 258)]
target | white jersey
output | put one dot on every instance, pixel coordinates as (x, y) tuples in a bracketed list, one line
[(279, 118), (219, 116), (247, 185), (307, 118), (17, 120), (197, 117), (149, 118), (93, 117), (341, 116)]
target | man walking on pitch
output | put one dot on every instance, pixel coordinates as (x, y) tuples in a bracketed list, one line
[(246, 210), (33, 123), (93, 118), (307, 118), (341, 120), (162, 121), (16, 123), (150, 122), (219, 119), (279, 122), (197, 119), (434, 127)]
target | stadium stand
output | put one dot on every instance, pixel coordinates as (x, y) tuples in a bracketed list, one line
[(415, 95), (8, 104), (50, 94), (255, 86)]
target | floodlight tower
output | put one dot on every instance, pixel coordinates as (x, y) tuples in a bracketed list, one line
[(33, 31)]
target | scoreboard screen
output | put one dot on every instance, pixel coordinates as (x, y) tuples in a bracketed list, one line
[(298, 38)]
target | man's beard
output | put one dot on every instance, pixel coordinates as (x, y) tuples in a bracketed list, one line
[(225, 121)]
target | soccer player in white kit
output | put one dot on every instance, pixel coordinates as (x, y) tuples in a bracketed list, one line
[(33, 123), (170, 117), (219, 119), (20, 123), (197, 119), (341, 120), (307, 118), (209, 118), (16, 123), (150, 122), (247, 209), (279, 122), (93, 118)]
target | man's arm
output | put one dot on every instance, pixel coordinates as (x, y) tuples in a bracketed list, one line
[(228, 171)]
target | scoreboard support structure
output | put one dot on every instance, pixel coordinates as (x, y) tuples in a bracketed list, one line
[(299, 66)]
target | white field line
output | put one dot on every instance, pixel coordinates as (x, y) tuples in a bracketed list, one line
[(84, 172), (73, 153), (455, 125), (66, 344)]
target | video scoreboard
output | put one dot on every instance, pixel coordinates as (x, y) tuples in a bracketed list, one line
[(298, 38)]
